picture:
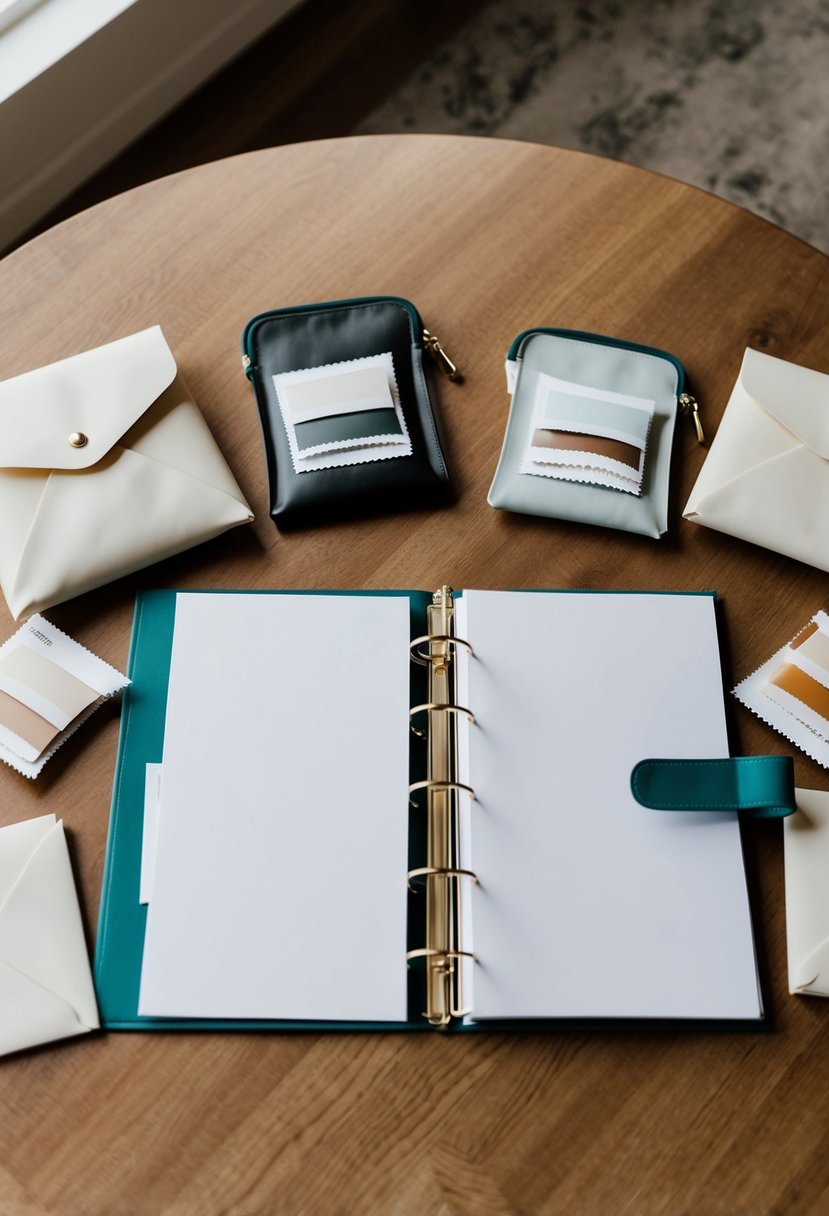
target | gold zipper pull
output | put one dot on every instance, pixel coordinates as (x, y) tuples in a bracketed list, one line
[(690, 406), (440, 356), (245, 363)]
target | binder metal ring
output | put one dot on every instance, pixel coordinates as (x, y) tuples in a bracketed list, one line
[(447, 639), (431, 707), (440, 785), (427, 952), (446, 871)]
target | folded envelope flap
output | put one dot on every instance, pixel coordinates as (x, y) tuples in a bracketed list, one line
[(68, 415), (806, 856), (796, 396), (18, 842), (31, 1014), (811, 974), (41, 933)]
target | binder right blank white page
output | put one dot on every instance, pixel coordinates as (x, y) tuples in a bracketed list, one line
[(589, 905)]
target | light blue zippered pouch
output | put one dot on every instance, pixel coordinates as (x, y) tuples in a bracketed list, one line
[(590, 430)]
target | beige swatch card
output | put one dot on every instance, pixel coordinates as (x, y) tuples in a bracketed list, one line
[(49, 685)]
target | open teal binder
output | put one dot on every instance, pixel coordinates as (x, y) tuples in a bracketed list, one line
[(435, 943)]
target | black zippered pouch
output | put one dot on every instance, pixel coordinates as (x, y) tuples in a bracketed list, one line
[(347, 419)]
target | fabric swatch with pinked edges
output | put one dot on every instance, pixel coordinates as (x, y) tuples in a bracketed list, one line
[(790, 691), (587, 434), (49, 685), (342, 413)]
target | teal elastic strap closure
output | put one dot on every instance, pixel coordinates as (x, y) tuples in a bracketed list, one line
[(760, 785)]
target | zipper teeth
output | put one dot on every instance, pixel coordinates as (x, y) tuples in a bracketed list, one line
[(600, 340), (414, 317)]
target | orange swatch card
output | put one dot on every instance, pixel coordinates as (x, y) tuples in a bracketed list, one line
[(791, 690)]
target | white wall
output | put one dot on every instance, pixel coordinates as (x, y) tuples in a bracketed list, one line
[(80, 79)]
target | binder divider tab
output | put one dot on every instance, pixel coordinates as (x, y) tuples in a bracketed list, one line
[(443, 874)]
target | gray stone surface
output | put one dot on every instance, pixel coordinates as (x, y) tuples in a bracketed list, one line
[(733, 97)]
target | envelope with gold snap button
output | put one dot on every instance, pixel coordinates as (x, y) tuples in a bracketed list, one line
[(46, 987), (106, 465), (766, 477)]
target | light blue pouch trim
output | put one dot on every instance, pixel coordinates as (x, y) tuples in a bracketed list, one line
[(595, 362), (608, 415), (760, 785)]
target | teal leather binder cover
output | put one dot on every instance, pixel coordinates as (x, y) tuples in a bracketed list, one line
[(122, 918), (122, 921)]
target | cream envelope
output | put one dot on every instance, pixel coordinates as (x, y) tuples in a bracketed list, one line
[(106, 465), (766, 477), (46, 987), (806, 852)]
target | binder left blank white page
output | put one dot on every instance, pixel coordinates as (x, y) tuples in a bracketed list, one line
[(280, 878)]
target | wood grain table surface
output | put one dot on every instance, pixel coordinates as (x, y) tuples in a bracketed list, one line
[(487, 237)]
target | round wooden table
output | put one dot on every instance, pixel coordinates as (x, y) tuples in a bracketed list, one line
[(487, 237)]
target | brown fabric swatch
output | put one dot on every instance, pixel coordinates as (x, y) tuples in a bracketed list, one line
[(25, 723), (599, 445), (806, 632)]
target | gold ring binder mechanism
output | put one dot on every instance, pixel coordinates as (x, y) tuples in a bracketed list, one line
[(432, 708), (443, 873)]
